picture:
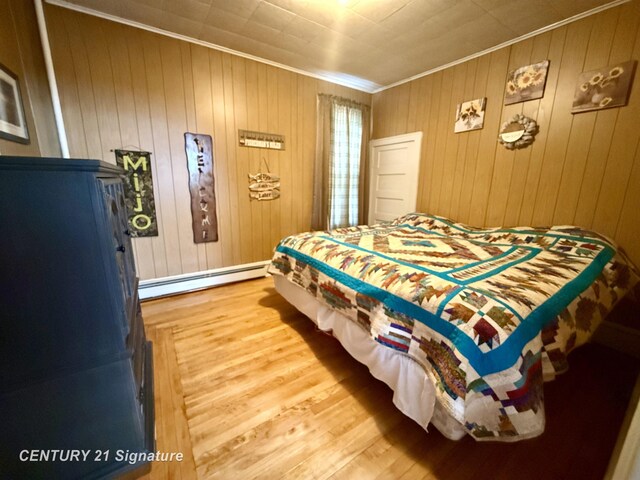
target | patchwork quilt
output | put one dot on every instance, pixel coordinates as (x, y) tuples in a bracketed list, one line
[(488, 313)]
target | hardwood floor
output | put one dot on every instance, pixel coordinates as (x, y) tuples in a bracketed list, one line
[(246, 387)]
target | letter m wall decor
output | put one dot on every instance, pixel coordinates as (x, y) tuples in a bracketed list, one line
[(199, 149)]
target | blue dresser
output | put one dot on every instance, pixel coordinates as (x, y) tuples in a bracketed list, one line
[(76, 372)]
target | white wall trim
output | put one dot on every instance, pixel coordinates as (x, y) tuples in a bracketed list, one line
[(363, 85), (561, 23), (51, 76), (189, 282)]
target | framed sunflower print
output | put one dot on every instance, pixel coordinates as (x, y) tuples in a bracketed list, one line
[(470, 115), (526, 83), (604, 88), (13, 123)]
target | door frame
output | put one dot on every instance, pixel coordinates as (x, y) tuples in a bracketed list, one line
[(416, 138)]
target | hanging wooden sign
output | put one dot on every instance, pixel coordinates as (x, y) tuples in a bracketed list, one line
[(268, 195), (263, 186), (264, 177), (199, 150), (138, 190), (247, 138)]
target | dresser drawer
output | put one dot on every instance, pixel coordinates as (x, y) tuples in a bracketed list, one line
[(120, 236)]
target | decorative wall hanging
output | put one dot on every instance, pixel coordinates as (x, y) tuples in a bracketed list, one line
[(604, 88), (270, 195), (518, 132), (470, 115), (199, 149), (13, 123), (264, 186), (247, 138), (526, 83), (138, 190)]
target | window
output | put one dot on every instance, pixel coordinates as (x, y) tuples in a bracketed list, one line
[(346, 148), (343, 131)]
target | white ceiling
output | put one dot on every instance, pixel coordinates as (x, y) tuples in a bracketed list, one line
[(367, 44)]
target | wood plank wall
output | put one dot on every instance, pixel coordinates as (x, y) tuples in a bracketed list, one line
[(20, 52), (121, 86), (582, 169)]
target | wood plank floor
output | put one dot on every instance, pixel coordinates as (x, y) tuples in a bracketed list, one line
[(247, 388)]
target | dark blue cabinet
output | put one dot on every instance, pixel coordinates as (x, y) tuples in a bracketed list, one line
[(75, 367)]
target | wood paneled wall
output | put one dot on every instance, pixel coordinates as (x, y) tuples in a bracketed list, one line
[(582, 169), (20, 52), (121, 86)]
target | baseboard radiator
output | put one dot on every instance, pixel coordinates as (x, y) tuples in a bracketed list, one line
[(189, 282)]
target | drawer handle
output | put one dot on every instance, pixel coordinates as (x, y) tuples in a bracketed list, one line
[(120, 248)]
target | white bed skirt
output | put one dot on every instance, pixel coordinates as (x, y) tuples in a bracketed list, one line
[(413, 392)]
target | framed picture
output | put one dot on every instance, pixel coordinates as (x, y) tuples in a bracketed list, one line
[(604, 88), (526, 83), (470, 115), (13, 124)]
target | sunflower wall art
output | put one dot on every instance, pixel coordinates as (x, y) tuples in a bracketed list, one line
[(470, 115), (604, 88), (526, 83)]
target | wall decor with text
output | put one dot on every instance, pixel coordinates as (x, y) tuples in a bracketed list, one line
[(199, 150), (518, 132), (248, 138), (138, 189), (264, 186)]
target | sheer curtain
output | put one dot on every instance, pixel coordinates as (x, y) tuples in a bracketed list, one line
[(340, 173)]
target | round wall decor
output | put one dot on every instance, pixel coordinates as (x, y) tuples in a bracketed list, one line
[(518, 132)]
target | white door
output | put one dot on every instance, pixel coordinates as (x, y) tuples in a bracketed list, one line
[(393, 188)]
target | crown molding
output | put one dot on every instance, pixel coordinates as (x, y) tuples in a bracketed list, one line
[(553, 26), (356, 83)]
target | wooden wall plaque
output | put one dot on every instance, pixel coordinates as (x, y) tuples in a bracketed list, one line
[(248, 138), (199, 150)]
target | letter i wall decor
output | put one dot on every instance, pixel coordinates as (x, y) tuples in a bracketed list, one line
[(202, 187)]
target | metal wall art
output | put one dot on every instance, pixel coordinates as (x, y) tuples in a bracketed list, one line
[(199, 150)]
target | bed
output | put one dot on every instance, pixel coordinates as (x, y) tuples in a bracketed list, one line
[(464, 324)]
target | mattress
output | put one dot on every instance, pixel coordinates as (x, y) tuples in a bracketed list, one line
[(486, 314)]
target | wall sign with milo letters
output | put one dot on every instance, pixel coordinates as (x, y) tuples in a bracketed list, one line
[(138, 188)]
